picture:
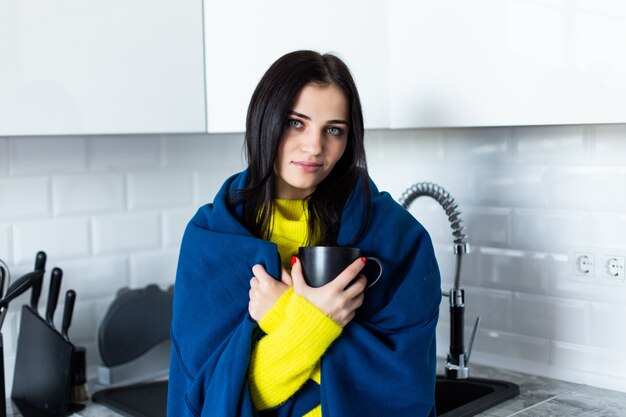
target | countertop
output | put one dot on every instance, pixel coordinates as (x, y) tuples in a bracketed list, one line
[(546, 397), (539, 397)]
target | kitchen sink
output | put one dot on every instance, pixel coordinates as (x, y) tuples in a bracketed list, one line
[(453, 398), (468, 397)]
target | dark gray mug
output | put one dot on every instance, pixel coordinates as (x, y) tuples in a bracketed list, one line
[(322, 264)]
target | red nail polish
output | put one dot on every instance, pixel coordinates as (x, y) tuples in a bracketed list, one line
[(293, 260), (364, 259)]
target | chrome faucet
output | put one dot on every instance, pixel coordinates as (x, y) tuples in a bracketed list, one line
[(457, 365)]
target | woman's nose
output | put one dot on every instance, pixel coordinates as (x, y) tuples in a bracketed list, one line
[(312, 142)]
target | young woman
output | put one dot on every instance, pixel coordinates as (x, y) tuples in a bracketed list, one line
[(250, 337)]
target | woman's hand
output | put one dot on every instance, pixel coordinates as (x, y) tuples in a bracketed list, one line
[(265, 291), (334, 299)]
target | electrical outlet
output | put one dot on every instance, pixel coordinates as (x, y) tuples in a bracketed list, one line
[(584, 264), (612, 267)]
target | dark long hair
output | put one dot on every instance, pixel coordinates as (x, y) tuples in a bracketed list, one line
[(268, 113)]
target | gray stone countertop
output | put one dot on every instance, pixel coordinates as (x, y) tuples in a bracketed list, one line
[(546, 397), (539, 397)]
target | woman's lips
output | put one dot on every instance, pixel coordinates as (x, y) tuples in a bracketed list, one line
[(308, 166)]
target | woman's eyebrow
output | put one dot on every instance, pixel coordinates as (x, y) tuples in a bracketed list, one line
[(304, 116)]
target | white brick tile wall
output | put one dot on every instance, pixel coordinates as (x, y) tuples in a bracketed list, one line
[(443, 336), (609, 230), (610, 143), (445, 259), (432, 216), (513, 345), (591, 188), (61, 238), (48, 154), (82, 329), (549, 230), (10, 330), (550, 144), (207, 183), (588, 359), (174, 224), (156, 189), (495, 308), (551, 318), (460, 183), (111, 210), (482, 144), (403, 146), (6, 248), (101, 305), (563, 283), (607, 326), (512, 185), (93, 356), (447, 266), (81, 194), (4, 156), (124, 152), (396, 178), (219, 151), (514, 270), (24, 197), (487, 226), (124, 233), (154, 267), (93, 277)]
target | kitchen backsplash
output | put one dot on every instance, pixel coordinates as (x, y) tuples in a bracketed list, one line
[(111, 210)]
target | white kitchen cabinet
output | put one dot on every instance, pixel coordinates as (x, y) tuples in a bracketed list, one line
[(101, 67), (506, 62), (243, 38)]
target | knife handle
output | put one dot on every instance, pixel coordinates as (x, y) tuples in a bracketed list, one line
[(53, 296), (19, 286), (68, 311), (2, 276), (35, 293), (40, 260), (40, 265)]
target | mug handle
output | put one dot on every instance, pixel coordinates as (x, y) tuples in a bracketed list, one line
[(380, 266)]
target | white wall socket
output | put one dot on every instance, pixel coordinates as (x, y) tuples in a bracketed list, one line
[(611, 267), (602, 265), (584, 264)]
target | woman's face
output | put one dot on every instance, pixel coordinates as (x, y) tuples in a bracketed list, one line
[(313, 140)]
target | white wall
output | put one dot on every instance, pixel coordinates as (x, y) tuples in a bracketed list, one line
[(110, 211)]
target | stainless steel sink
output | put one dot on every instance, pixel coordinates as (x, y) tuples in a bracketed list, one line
[(468, 397)]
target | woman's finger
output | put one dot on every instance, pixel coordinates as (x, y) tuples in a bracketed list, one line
[(348, 274), (296, 274), (261, 274), (286, 278), (259, 271), (357, 287)]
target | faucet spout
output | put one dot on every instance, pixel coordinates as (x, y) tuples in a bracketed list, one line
[(461, 247)]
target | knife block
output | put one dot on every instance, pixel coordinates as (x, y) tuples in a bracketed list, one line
[(3, 396), (43, 368)]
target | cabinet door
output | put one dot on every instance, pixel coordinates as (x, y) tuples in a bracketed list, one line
[(243, 38), (101, 66), (506, 62)]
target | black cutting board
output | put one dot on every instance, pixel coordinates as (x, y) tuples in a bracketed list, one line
[(138, 400)]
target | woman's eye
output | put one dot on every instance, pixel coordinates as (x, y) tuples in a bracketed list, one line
[(294, 123), (335, 131)]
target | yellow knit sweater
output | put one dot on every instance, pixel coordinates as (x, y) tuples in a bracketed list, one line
[(297, 332)]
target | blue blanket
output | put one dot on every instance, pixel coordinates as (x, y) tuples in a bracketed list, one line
[(383, 364)]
